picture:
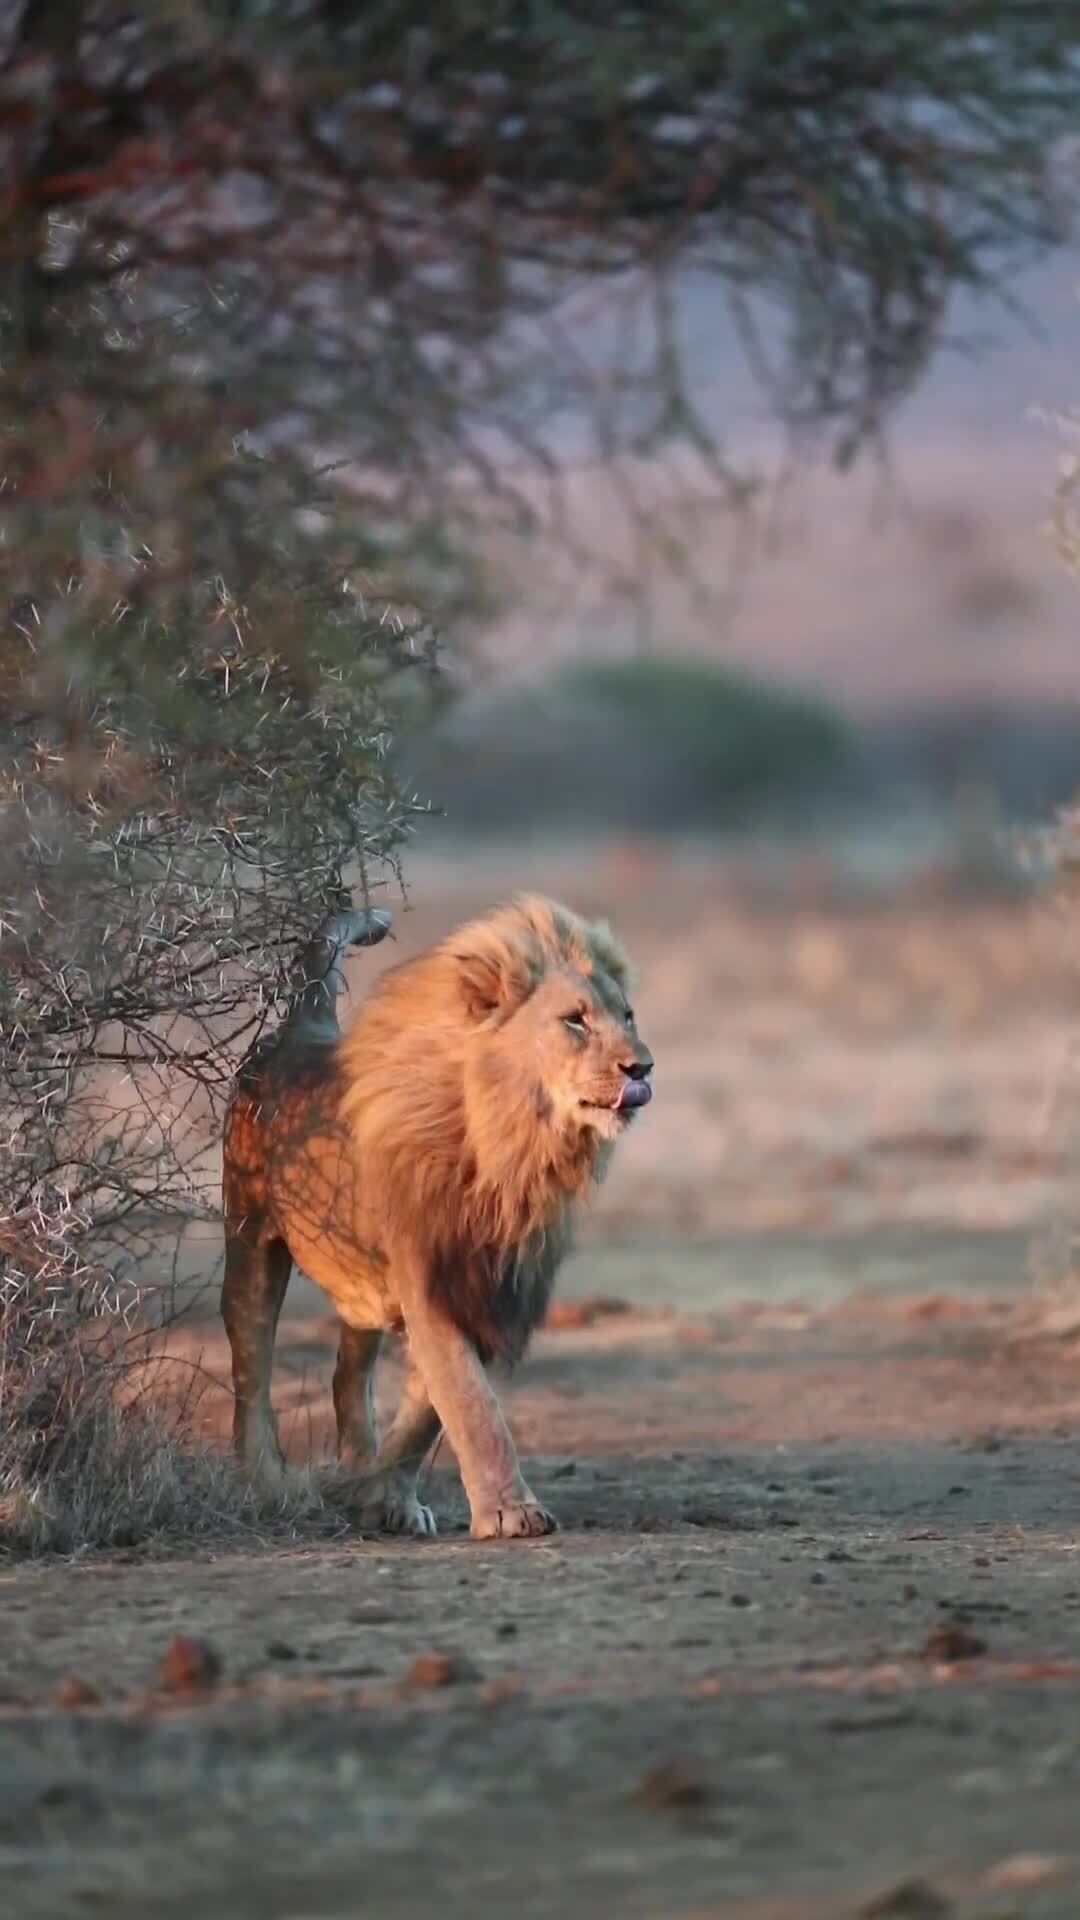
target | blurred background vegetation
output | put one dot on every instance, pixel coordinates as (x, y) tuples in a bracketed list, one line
[(300, 300)]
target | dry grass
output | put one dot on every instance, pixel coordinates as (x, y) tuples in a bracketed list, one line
[(100, 1448), (132, 1480)]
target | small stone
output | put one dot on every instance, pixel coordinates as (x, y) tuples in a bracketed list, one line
[(953, 1641), (72, 1797), (506, 1629), (280, 1650), (670, 1786), (74, 1691), (190, 1666), (431, 1670)]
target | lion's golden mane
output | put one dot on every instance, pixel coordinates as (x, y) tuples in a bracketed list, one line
[(453, 1127)]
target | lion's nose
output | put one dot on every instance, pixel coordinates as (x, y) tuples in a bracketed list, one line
[(639, 1069)]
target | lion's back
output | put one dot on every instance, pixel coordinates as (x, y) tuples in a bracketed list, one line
[(287, 1099)]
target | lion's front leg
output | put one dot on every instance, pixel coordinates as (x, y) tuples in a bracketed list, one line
[(501, 1504)]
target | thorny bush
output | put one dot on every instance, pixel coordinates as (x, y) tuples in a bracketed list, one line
[(176, 818)]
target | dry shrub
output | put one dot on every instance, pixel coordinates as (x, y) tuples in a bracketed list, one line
[(159, 891), (99, 1444)]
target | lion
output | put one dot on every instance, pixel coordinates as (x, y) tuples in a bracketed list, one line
[(424, 1170)]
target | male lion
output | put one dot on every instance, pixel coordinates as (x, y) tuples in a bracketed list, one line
[(423, 1170)]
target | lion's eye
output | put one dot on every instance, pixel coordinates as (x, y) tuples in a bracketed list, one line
[(629, 1016), (576, 1022)]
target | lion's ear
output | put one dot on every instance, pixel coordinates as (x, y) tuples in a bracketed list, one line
[(492, 979)]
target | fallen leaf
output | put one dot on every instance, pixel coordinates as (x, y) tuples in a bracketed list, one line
[(507, 1686), (1027, 1870), (952, 1641), (563, 1315), (74, 1691), (431, 1670), (190, 1666)]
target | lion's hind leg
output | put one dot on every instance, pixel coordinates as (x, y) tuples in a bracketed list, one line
[(391, 1499), (256, 1277), (354, 1395)]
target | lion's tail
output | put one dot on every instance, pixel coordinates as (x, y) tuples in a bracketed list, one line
[(320, 970)]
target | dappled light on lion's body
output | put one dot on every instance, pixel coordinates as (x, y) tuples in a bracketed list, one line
[(424, 1172)]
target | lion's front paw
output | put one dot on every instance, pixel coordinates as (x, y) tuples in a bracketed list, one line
[(524, 1520)]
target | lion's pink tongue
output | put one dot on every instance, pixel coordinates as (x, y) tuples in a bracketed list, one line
[(636, 1093)]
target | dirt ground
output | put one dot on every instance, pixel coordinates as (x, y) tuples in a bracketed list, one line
[(808, 1644)]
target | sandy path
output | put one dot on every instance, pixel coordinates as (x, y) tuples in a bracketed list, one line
[(771, 1506)]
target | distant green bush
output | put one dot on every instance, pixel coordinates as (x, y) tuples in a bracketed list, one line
[(743, 742), (642, 743)]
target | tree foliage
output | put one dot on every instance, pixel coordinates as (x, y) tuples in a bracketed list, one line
[(242, 241), (377, 189)]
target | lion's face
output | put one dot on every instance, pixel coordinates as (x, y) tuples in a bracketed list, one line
[(592, 1065)]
